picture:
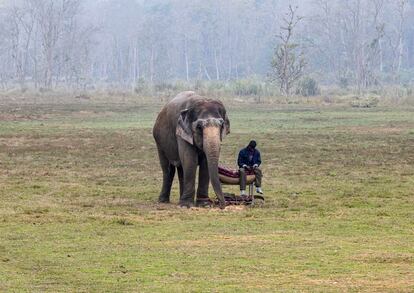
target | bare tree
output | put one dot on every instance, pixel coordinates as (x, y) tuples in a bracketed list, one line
[(379, 25), (20, 26), (53, 18), (288, 64), (53, 42), (401, 10)]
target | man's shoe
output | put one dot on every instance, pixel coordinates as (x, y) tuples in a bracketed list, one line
[(242, 192), (259, 190)]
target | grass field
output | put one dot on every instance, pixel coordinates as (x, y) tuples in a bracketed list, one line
[(79, 182)]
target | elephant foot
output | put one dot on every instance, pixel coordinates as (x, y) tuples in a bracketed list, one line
[(204, 202), (163, 199), (222, 205), (186, 204)]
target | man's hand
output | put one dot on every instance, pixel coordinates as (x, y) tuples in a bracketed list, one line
[(255, 166)]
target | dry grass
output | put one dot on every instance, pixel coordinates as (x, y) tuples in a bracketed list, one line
[(78, 212)]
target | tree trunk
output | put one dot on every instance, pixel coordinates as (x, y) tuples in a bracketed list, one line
[(186, 59), (217, 65), (152, 64)]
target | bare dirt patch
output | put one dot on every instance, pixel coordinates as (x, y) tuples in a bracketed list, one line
[(377, 129), (392, 258), (21, 117), (367, 284)]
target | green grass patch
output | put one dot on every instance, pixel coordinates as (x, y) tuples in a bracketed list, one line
[(78, 211)]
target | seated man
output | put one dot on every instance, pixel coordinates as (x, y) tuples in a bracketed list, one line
[(249, 158)]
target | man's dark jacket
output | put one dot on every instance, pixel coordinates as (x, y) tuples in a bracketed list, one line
[(244, 158)]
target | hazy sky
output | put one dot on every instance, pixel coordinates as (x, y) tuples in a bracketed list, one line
[(122, 41)]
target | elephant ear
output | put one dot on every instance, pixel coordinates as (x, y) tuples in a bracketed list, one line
[(183, 127), (226, 127)]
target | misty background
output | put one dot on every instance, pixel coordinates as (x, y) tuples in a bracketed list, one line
[(356, 44)]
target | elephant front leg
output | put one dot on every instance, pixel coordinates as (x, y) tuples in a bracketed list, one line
[(181, 179), (187, 197), (189, 163), (203, 183)]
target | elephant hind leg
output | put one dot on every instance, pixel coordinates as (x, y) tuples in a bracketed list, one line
[(168, 172)]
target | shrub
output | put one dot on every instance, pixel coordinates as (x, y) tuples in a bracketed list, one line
[(364, 102), (308, 87), (343, 82), (247, 88), (215, 87), (164, 87), (141, 87), (198, 85)]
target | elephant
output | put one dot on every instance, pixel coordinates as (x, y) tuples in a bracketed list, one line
[(188, 133)]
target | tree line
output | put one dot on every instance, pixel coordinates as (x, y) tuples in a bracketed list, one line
[(74, 43)]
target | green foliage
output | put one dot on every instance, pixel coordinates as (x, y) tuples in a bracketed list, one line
[(215, 87), (198, 84), (308, 87), (242, 87), (165, 86), (365, 102), (344, 82), (141, 87), (247, 87)]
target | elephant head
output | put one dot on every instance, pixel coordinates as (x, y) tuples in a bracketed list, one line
[(204, 125)]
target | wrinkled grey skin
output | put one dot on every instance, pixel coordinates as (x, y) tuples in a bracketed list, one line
[(188, 132)]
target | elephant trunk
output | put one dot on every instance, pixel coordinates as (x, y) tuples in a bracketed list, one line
[(211, 146)]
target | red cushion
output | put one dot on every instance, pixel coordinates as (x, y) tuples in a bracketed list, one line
[(233, 173)]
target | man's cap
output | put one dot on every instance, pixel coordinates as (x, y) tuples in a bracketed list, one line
[(252, 144)]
